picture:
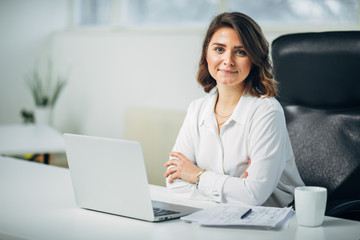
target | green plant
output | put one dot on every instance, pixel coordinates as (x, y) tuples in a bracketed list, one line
[(45, 89)]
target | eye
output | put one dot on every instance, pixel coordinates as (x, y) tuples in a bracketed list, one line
[(240, 52), (219, 49)]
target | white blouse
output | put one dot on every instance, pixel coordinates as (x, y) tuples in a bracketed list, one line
[(250, 161)]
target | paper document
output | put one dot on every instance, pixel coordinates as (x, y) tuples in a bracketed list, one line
[(230, 215)]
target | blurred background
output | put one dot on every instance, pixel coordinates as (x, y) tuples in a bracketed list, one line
[(129, 66)]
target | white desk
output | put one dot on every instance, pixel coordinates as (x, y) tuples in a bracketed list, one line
[(37, 202), (30, 138)]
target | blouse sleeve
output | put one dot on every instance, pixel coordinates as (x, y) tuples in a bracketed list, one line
[(186, 145), (267, 149)]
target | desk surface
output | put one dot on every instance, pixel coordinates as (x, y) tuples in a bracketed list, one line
[(30, 138), (37, 202)]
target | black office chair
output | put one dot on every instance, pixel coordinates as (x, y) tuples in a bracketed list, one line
[(319, 81)]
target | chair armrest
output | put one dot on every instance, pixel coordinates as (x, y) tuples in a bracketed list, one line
[(349, 209)]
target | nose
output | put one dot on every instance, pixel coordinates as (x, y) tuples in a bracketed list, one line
[(228, 60)]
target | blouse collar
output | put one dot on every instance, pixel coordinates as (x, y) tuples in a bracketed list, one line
[(239, 114)]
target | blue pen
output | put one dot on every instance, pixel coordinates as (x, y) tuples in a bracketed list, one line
[(246, 214)]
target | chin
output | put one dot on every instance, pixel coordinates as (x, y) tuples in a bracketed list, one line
[(228, 82)]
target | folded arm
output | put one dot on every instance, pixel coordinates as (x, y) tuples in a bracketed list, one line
[(267, 151)]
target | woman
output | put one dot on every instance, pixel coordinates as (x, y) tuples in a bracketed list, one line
[(233, 145)]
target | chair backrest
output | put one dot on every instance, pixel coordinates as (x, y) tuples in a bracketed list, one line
[(319, 81)]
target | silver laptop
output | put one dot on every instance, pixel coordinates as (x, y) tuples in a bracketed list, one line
[(109, 175)]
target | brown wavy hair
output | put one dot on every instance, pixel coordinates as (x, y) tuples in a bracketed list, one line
[(260, 80)]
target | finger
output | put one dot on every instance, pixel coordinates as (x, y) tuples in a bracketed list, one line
[(176, 154), (170, 171), (170, 162), (171, 178)]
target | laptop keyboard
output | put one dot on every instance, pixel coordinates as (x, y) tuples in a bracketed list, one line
[(163, 212)]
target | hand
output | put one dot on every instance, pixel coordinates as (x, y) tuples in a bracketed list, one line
[(182, 168)]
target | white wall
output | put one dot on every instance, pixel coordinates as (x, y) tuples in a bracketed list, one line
[(25, 27), (108, 71), (113, 71), (134, 85)]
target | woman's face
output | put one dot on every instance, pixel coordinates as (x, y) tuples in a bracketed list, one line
[(228, 63)]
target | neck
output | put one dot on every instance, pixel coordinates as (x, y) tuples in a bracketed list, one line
[(227, 100)]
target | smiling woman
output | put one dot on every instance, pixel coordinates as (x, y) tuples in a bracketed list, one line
[(233, 145), (254, 49), (227, 62)]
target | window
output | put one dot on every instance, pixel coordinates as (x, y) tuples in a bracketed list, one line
[(93, 12), (198, 13), (167, 13), (295, 12)]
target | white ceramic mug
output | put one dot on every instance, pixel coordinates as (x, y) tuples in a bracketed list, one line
[(310, 204)]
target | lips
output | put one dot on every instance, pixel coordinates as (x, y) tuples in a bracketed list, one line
[(227, 71)]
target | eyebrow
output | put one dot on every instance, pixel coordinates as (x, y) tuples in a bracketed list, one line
[(223, 45)]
